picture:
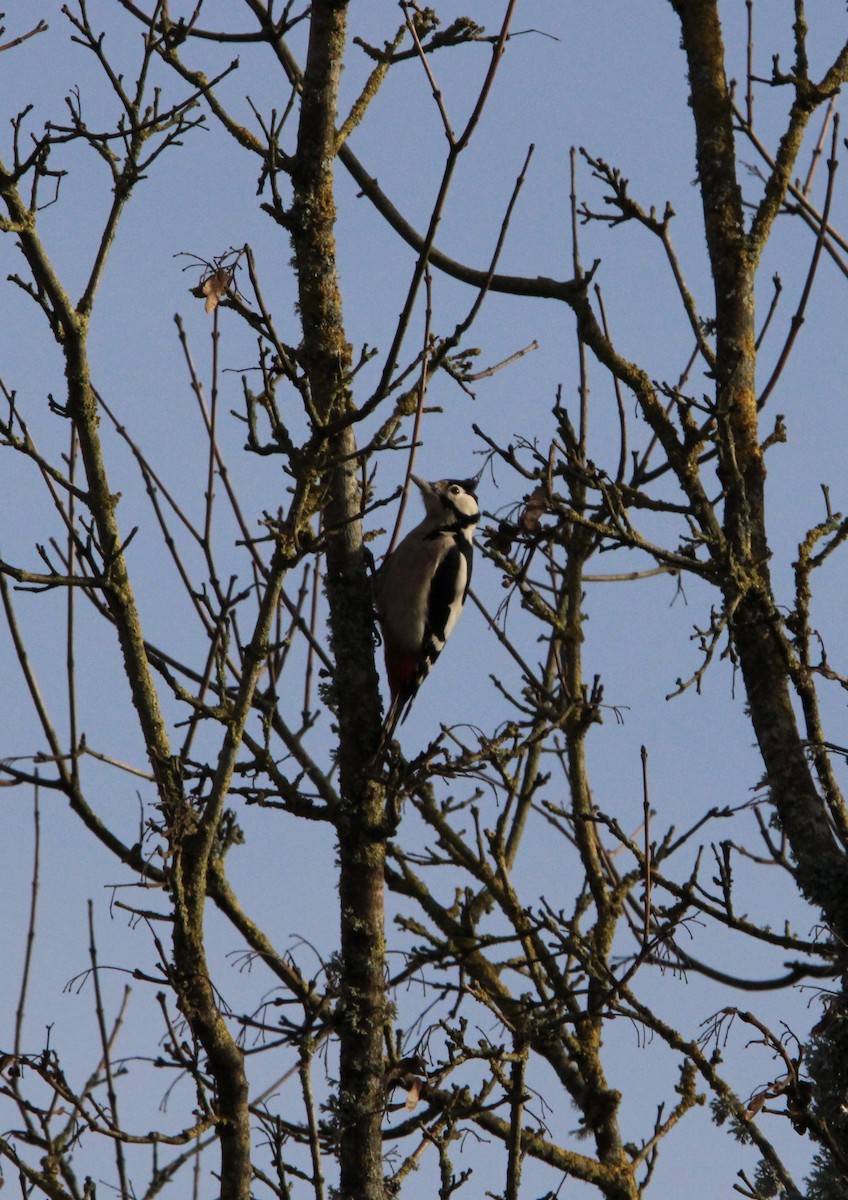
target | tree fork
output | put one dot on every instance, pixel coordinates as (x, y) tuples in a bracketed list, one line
[(756, 622), (747, 587), (190, 848)]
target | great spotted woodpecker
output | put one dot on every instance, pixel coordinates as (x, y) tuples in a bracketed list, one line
[(421, 588)]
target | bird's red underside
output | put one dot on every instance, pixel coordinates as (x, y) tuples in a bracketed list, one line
[(400, 668)]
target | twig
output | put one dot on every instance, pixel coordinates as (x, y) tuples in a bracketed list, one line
[(798, 319), (41, 27), (20, 1011), (106, 1049), (646, 827), (817, 149), (749, 63), (582, 387)]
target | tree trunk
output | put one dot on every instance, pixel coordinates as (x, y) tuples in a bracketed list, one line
[(326, 356)]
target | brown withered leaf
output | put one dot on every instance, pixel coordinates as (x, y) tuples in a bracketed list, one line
[(535, 506), (213, 288), (826, 1020), (757, 1102), (501, 539), (414, 1094)]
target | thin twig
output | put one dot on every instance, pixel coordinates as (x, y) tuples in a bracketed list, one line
[(646, 826), (419, 407), (71, 609), (106, 1049), (582, 387), (798, 318), (749, 67), (20, 1011), (817, 149)]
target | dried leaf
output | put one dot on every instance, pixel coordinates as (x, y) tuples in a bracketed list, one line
[(535, 505), (414, 1094), (213, 287), (756, 1104), (501, 539), (825, 1021)]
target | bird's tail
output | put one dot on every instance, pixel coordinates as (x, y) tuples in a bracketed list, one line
[(397, 712)]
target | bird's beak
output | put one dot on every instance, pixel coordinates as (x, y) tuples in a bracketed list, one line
[(422, 484), (472, 484)]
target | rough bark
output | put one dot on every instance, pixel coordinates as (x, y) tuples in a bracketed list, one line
[(759, 635), (326, 356), (756, 623)]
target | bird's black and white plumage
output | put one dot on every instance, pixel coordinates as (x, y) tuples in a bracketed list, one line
[(421, 588)]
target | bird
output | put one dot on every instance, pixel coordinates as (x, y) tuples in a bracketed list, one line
[(421, 588)]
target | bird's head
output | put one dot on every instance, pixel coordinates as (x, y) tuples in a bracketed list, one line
[(450, 501)]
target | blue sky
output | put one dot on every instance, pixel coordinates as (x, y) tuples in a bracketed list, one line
[(607, 76)]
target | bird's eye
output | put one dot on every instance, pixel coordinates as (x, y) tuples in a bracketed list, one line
[(455, 490)]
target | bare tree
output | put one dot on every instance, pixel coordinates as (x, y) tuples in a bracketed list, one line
[(484, 1012)]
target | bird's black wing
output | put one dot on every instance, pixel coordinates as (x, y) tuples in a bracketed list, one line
[(443, 603), (443, 597)]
